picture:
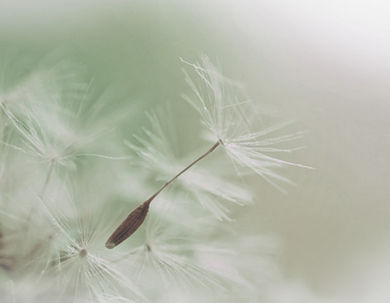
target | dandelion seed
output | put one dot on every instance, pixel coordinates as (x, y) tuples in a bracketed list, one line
[(226, 117)]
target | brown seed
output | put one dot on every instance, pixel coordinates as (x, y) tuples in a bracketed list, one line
[(129, 225)]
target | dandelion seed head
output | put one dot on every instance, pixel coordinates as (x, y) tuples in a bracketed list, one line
[(168, 251), (49, 117), (231, 119), (82, 267)]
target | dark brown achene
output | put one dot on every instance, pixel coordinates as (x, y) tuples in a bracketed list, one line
[(129, 225)]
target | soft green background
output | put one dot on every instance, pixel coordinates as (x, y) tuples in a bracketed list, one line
[(324, 65)]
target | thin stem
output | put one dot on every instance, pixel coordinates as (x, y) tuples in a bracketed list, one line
[(2, 136), (48, 177), (3, 122), (3, 139), (41, 195), (138, 215), (185, 169)]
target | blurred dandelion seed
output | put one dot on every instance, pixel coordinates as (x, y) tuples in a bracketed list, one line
[(79, 262)]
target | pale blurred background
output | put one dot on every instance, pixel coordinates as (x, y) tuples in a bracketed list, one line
[(325, 64)]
